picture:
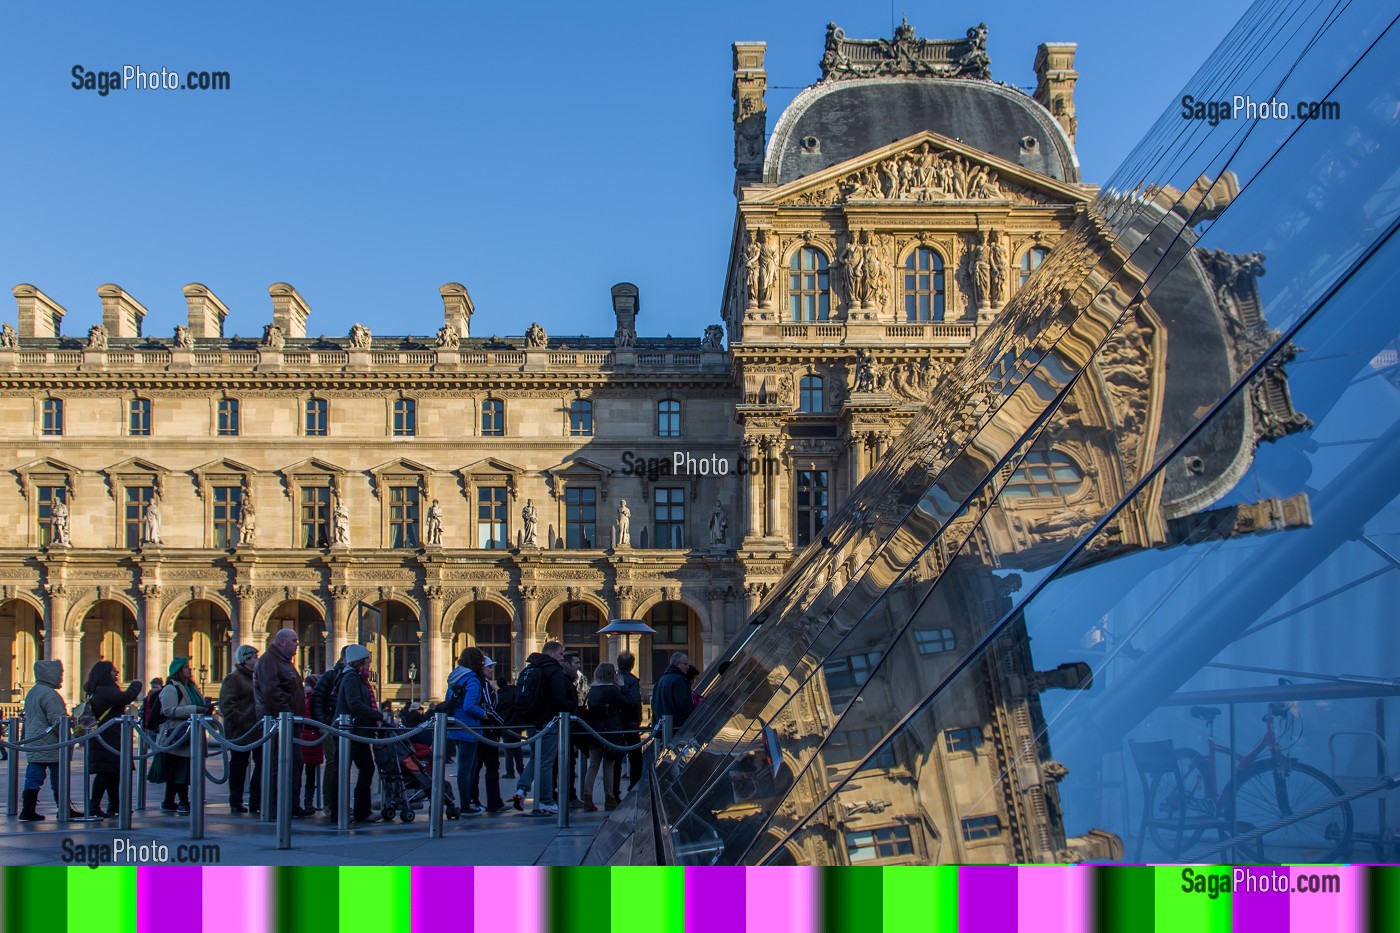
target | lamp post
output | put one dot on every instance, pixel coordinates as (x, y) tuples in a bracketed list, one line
[(626, 628), (413, 682), (203, 677)]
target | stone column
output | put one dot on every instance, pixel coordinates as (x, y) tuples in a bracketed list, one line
[(148, 634), (335, 638), (753, 595), (857, 460), (55, 615), (73, 674), (529, 606), (775, 491), (624, 603), (714, 637), (434, 649), (247, 605), (753, 505)]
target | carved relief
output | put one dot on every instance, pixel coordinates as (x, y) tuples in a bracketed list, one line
[(97, 337), (273, 338), (183, 338), (448, 338), (906, 54)]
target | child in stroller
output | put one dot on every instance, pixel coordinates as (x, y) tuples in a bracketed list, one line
[(406, 777)]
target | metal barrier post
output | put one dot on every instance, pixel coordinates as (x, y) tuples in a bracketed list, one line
[(12, 766), (535, 761), (65, 775), (666, 729), (342, 775), (141, 748), (266, 773), (124, 781), (439, 775), (87, 775), (198, 746), (286, 794), (561, 785)]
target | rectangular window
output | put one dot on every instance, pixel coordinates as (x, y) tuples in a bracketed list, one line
[(52, 422), (491, 517), (812, 488), (670, 518), (934, 641), (228, 417), (48, 495), (137, 498), (317, 417), (867, 845), (668, 418), (493, 418), (852, 743), (981, 827), (581, 418), (403, 516), (845, 676), (139, 420), (962, 740), (228, 509), (405, 417), (580, 517), (315, 516)]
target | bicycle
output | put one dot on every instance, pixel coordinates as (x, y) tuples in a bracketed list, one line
[(1268, 786)]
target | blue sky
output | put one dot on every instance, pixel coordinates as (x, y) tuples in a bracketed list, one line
[(369, 153)]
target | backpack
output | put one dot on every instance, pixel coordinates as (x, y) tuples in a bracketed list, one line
[(454, 697), (152, 716), (531, 703), (83, 719)]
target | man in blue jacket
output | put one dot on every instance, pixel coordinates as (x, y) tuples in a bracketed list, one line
[(671, 695)]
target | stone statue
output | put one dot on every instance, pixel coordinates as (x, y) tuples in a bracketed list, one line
[(979, 274), (8, 340), (752, 259), (713, 339), (869, 375), (768, 271), (1000, 267), (447, 338), (97, 337), (60, 522), (273, 337), (974, 62), (851, 262), (531, 515), (150, 527), (360, 337), (624, 338), (535, 337), (434, 530), (719, 524), (183, 338), (247, 520), (340, 525), (622, 532)]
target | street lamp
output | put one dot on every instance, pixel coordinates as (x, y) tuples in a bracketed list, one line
[(203, 675), (412, 682), (626, 628)]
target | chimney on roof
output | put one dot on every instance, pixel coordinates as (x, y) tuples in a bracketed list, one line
[(750, 110), (121, 314), (39, 315), (289, 311), (1054, 82), (207, 312), (457, 308), (627, 301)]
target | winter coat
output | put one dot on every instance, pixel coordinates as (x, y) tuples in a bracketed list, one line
[(559, 693), (176, 706), (470, 710), (277, 687), (672, 697), (321, 707), (116, 699), (609, 711), (43, 709), (236, 703), (312, 754), (632, 689), (353, 698)]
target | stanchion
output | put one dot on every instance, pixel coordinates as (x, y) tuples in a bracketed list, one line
[(65, 775), (286, 796), (124, 780), (12, 766), (266, 773), (665, 734), (142, 747), (561, 785), (197, 749), (87, 774), (535, 764), (342, 775), (439, 775)]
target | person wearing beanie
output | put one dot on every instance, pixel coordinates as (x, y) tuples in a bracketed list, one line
[(241, 726), (179, 701), (353, 699)]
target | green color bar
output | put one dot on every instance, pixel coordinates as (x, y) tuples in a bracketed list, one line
[(376, 898), (1124, 898), (577, 897), (647, 899), (919, 898), (36, 899), (308, 899), (1384, 900), (852, 898), (1196, 909), (102, 900)]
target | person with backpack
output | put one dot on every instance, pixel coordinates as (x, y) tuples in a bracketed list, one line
[(150, 708), (507, 700), (241, 726), (354, 699), (323, 705), (632, 687), (465, 687), (106, 701), (545, 692), (488, 756)]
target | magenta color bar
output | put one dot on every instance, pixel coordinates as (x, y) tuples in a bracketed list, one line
[(1258, 905), (236, 900), (714, 899), (168, 896), (438, 902), (780, 900), (509, 900), (1317, 911), (989, 898), (1053, 898)]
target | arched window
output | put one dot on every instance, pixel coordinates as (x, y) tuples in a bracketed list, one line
[(580, 633), (923, 286), (492, 631), (139, 417), (1044, 473), (809, 394), (672, 621), (401, 628), (405, 417), (668, 418), (317, 417), (581, 418), (493, 417), (1030, 261), (809, 285)]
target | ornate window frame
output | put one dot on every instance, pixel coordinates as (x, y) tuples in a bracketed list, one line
[(788, 292), (304, 405), (46, 471), (391, 413), (214, 401), (943, 270), (591, 414), (312, 471), (132, 472), (480, 415), (402, 472), (39, 402), (221, 472), (577, 471), (127, 412), (490, 472)]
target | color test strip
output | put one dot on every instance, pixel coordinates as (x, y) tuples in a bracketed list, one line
[(1124, 898), (781, 900), (443, 899), (237, 900), (1177, 909), (306, 899), (106, 900), (993, 889), (649, 898), (1054, 898), (376, 898), (509, 899), (580, 900), (714, 899), (918, 898), (851, 898), (168, 895)]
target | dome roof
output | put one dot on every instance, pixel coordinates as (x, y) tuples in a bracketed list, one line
[(834, 121)]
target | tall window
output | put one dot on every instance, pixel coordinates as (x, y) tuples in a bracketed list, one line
[(670, 518), (845, 676), (809, 285), (810, 392), (315, 516), (811, 505), (137, 498), (580, 418), (491, 517), (52, 416), (1044, 473), (1030, 261), (48, 495), (923, 286), (668, 418), (403, 516), (405, 417), (580, 517), (228, 508), (403, 649), (981, 827), (580, 633), (851, 743), (317, 417), (493, 418), (228, 417), (867, 845), (492, 630), (672, 623), (139, 417)]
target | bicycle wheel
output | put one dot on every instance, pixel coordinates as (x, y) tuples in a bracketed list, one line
[(1269, 791), (1168, 797)]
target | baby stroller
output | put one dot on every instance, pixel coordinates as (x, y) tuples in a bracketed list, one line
[(406, 779)]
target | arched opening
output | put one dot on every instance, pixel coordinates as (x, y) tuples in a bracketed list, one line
[(488, 626), (306, 620), (396, 655), (576, 624), (203, 634), (108, 634), (677, 629), (21, 644)]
